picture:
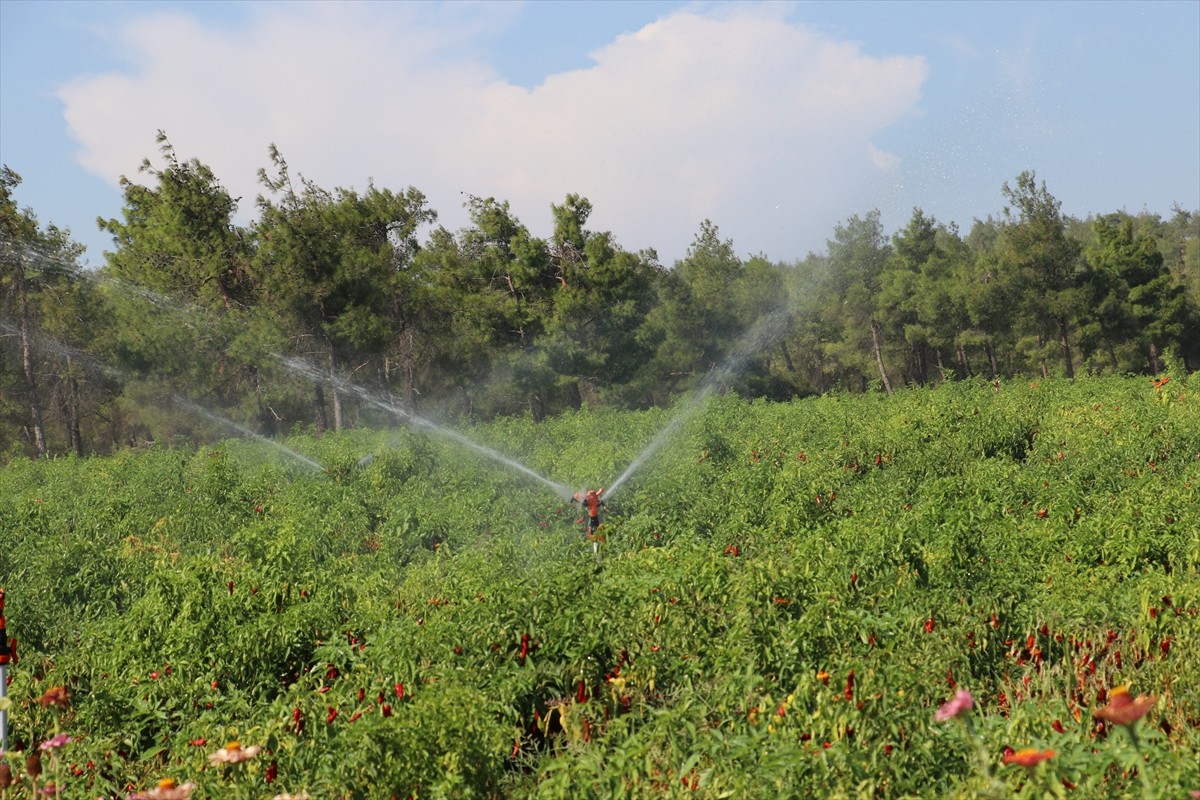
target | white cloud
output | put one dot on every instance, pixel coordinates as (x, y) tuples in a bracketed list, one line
[(724, 114), (884, 161)]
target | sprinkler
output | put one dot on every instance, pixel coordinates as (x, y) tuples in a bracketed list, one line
[(591, 500)]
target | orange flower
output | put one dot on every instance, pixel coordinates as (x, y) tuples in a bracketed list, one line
[(56, 696), (1029, 757), (1124, 710), (1160, 382)]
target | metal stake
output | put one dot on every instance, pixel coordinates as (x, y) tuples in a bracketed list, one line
[(5, 657)]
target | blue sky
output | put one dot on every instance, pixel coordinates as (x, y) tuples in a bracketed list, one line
[(774, 120)]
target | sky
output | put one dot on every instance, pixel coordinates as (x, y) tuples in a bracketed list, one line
[(776, 120)]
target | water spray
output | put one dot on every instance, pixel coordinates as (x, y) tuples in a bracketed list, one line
[(217, 418), (314, 374), (765, 331)]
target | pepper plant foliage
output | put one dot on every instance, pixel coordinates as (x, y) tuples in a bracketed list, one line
[(781, 598)]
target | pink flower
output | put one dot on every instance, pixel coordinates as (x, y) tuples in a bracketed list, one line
[(55, 742), (167, 789), (961, 703), (234, 753)]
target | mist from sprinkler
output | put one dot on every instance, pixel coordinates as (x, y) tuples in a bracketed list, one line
[(313, 373), (183, 402), (768, 329), (49, 344)]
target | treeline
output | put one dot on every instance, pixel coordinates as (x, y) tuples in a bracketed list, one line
[(339, 308)]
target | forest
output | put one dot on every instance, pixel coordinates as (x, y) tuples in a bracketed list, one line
[(339, 308)]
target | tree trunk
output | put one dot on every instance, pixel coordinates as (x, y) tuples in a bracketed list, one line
[(991, 354), (266, 417), (1153, 359), (879, 357), (73, 422), (35, 408), (322, 421), (1068, 360), (410, 372), (787, 358), (537, 407), (338, 420)]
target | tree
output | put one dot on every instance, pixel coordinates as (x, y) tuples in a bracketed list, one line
[(330, 266), (1044, 261), (900, 298), (19, 235), (1143, 301), (858, 254), (697, 317), (178, 280), (58, 315), (601, 294), (594, 339), (488, 297)]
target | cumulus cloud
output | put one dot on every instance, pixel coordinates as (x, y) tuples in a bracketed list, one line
[(736, 113)]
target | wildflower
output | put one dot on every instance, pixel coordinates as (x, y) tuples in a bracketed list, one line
[(33, 765), (55, 742), (167, 789), (961, 703), (1028, 757), (234, 753), (286, 796), (57, 697), (198, 742), (1124, 710), (5, 775)]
